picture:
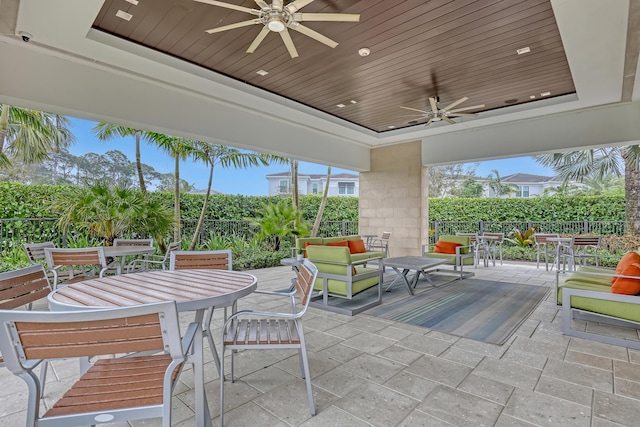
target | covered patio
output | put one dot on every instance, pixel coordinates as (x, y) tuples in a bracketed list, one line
[(367, 371)]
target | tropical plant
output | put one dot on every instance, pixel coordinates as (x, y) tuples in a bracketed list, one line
[(498, 187), (109, 212), (601, 162), (279, 221), (214, 154), (521, 239), (31, 135)]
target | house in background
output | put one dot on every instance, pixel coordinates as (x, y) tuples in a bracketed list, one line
[(528, 185), (341, 184)]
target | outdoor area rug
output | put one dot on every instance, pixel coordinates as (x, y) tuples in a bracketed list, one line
[(477, 309)]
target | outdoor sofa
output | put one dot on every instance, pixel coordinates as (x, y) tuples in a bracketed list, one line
[(594, 294), (459, 256), (303, 242), (343, 278)]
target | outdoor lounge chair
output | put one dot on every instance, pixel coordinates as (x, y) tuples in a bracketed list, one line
[(100, 395)]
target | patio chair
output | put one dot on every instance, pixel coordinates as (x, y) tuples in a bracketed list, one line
[(112, 390), (80, 263), (381, 244), (544, 246), (480, 249), (20, 288), (143, 264), (579, 250), (209, 260), (263, 330), (495, 244), (35, 251)]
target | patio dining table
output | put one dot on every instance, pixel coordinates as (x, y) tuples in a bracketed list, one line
[(122, 252), (192, 290)]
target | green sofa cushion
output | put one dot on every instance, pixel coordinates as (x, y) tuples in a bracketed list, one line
[(451, 258), (339, 287), (366, 255)]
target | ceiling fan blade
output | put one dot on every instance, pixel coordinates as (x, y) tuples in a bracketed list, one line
[(313, 34), (474, 107), (335, 17), (448, 120), (434, 105), (232, 26), (262, 4), (228, 6), (462, 114), (415, 109), (428, 122), (293, 7), (258, 40), (286, 38), (453, 104), (276, 4)]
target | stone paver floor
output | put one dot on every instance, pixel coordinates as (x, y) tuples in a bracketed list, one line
[(372, 372)]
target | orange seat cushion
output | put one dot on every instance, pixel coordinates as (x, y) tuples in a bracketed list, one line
[(356, 246), (443, 247), (628, 259), (340, 243), (626, 286)]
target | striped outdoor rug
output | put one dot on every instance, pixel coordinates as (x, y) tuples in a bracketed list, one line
[(477, 309)]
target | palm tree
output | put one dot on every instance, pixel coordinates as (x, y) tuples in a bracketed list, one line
[(597, 163), (214, 154), (278, 221), (323, 203), (498, 187), (30, 135), (106, 131), (179, 148), (295, 196)]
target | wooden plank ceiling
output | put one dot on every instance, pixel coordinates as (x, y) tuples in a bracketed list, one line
[(444, 48)]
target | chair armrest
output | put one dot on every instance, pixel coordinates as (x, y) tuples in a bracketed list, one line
[(187, 339), (279, 293)]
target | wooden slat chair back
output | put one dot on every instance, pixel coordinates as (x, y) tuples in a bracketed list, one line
[(208, 260), (100, 394), (544, 246), (35, 251), (213, 260), (381, 243), (80, 263), (143, 264), (21, 288), (581, 245), (133, 242), (251, 329)]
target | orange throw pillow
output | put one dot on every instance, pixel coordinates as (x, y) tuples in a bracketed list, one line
[(356, 246), (340, 243), (443, 247), (623, 285), (628, 258), (306, 244)]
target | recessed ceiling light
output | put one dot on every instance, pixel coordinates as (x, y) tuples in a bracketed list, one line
[(124, 15), (353, 102), (133, 2), (262, 72), (532, 97), (340, 105), (391, 127), (365, 51), (523, 50), (545, 94)]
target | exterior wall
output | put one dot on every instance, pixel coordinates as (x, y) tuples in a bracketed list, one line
[(394, 197), (305, 185)]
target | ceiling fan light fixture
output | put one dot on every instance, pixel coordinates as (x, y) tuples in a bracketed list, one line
[(365, 51), (276, 24)]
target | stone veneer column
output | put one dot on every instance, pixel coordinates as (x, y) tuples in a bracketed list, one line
[(394, 197)]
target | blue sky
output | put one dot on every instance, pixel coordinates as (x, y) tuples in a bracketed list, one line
[(250, 182)]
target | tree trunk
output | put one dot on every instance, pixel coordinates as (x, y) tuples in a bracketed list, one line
[(176, 203), (192, 245), (143, 187), (4, 123), (632, 207), (323, 203)]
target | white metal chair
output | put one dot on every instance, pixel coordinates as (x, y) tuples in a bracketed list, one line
[(209, 260), (544, 246), (20, 288), (132, 242), (71, 258), (143, 264), (100, 395), (495, 244), (253, 330), (480, 249), (381, 244), (579, 250), (35, 251)]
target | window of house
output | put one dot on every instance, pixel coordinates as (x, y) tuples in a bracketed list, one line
[(314, 188), (523, 191), (284, 186), (346, 188)]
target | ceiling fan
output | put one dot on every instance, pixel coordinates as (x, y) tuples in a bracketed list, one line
[(437, 114), (276, 17)]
